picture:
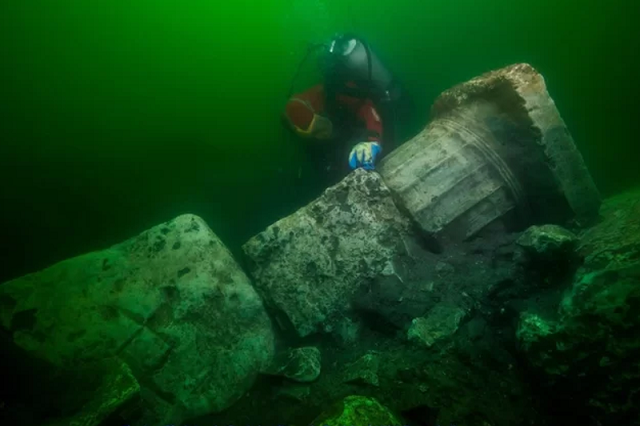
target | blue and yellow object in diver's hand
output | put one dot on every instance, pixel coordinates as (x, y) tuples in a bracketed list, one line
[(364, 155)]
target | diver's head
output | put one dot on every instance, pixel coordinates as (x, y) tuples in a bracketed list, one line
[(349, 58)]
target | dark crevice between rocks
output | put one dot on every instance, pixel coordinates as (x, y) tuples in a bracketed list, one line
[(377, 322), (24, 320), (422, 415), (7, 303), (40, 392)]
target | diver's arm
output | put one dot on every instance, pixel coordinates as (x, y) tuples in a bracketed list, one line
[(368, 114), (364, 153), (304, 114)]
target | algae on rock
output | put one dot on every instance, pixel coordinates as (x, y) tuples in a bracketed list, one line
[(308, 266), (171, 302), (591, 350), (358, 410)]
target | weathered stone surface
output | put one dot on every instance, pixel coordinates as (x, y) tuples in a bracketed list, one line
[(363, 371), (615, 241), (355, 410), (594, 346), (588, 353), (170, 302), (547, 256), (309, 265), (496, 149), (299, 364), (548, 241), (440, 323), (468, 378)]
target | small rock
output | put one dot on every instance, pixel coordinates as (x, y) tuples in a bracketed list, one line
[(358, 410), (300, 364), (547, 242), (441, 322), (364, 370)]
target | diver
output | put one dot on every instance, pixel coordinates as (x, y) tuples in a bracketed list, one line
[(348, 118)]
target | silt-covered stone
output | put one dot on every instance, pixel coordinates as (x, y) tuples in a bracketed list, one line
[(615, 241), (363, 371), (594, 344), (548, 241), (309, 265), (355, 410), (587, 353), (298, 364), (440, 323), (171, 302)]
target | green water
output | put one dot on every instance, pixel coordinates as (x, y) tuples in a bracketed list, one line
[(119, 115)]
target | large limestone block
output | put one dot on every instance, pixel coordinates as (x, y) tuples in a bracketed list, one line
[(171, 302), (495, 149), (310, 265)]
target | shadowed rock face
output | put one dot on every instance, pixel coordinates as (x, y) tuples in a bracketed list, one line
[(171, 302), (615, 241), (588, 352), (310, 265), (495, 149)]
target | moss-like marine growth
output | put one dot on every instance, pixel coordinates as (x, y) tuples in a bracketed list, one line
[(357, 410)]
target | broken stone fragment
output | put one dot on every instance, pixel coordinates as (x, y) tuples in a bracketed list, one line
[(496, 150), (310, 265), (441, 322), (548, 242), (358, 410), (363, 371), (301, 364), (171, 302)]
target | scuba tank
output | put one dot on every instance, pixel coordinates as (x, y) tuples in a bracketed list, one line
[(349, 59), (350, 67)]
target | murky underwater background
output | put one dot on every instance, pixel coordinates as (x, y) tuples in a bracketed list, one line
[(119, 115)]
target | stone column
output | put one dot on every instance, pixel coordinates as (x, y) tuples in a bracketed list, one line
[(495, 149)]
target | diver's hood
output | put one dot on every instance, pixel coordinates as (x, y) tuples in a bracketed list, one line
[(350, 59)]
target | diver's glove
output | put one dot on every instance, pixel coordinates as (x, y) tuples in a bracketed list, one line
[(364, 155)]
